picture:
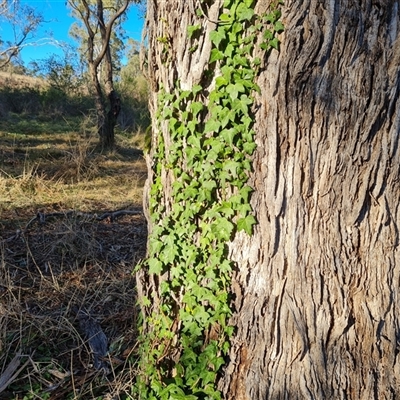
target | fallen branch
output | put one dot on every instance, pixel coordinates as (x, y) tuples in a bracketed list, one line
[(96, 338), (112, 215)]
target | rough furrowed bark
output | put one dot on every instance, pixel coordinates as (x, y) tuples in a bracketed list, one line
[(316, 290), (317, 286)]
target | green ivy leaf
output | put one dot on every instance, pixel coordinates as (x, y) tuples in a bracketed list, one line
[(212, 125), (192, 29), (221, 81), (196, 89), (278, 27), (249, 3), (233, 91), (217, 36), (222, 229), (249, 147), (232, 166), (216, 55), (244, 12), (155, 266), (245, 192), (229, 135), (274, 43), (246, 224), (145, 301), (155, 245)]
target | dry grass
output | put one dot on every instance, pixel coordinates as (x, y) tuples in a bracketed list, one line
[(18, 81), (51, 270)]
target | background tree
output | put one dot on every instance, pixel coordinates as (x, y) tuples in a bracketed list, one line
[(99, 19), (314, 284), (134, 89), (64, 72), (24, 21)]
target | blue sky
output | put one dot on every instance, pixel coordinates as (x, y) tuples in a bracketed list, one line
[(56, 27)]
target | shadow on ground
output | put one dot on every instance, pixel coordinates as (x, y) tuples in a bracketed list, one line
[(53, 267)]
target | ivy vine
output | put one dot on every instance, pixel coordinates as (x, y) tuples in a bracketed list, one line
[(210, 161)]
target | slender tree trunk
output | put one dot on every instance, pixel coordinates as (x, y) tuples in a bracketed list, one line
[(114, 101), (106, 119), (101, 112), (316, 290)]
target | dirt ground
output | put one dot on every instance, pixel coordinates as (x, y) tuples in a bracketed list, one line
[(54, 265)]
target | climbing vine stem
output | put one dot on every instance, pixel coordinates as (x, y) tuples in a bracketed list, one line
[(208, 161)]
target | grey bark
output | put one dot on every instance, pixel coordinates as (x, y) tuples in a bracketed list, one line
[(316, 291)]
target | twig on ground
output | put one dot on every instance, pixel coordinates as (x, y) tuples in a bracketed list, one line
[(9, 375)]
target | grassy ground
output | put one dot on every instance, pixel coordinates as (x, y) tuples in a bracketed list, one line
[(62, 256)]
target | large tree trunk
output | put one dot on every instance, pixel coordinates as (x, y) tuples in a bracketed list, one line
[(316, 291)]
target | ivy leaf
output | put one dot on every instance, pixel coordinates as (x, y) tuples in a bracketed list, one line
[(145, 301), (209, 185), (212, 125), (155, 245), (242, 61), (215, 97), (229, 135), (217, 36), (194, 141), (172, 123), (229, 51), (184, 95), (222, 229), (273, 16), (244, 13), (233, 91), (232, 166), (190, 193), (246, 224), (226, 209), (274, 43), (224, 117), (278, 27), (268, 35), (249, 147), (191, 126), (245, 192), (191, 29), (225, 18), (170, 250), (196, 89), (155, 266), (216, 55), (221, 81), (201, 315)]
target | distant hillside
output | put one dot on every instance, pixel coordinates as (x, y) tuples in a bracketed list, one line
[(20, 81)]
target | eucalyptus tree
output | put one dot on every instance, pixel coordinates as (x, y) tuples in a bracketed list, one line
[(273, 201), (23, 20), (99, 20)]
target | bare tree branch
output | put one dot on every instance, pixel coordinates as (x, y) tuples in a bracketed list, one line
[(24, 21)]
